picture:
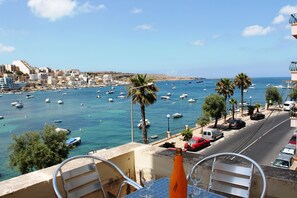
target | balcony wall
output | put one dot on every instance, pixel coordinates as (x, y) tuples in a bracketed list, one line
[(131, 158), (294, 76), (294, 29)]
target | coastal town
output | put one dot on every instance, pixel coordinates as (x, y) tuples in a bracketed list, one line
[(22, 76)]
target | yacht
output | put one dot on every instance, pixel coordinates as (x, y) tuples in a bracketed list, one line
[(47, 100), (19, 105), (29, 96), (73, 141), (147, 123), (110, 99), (177, 115), (60, 102), (191, 100), (165, 97)]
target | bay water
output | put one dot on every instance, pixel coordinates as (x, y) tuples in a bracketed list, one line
[(103, 124)]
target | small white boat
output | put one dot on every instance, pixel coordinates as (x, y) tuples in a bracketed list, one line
[(47, 100), (168, 94), (98, 91), (154, 136), (110, 92), (121, 96), (98, 96), (177, 115), (1, 117), (147, 123), (60, 102), (19, 105), (14, 103), (191, 100), (73, 141), (165, 97), (183, 96), (110, 99), (63, 130), (29, 96)]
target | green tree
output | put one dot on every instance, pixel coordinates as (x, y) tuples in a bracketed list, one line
[(242, 81), (143, 91), (233, 102), (214, 105), (293, 94), (272, 95), (36, 150), (225, 87), (203, 120), (257, 105), (187, 134)]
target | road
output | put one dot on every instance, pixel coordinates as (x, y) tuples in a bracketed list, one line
[(261, 140)]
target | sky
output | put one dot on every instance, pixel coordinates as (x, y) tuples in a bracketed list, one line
[(189, 38)]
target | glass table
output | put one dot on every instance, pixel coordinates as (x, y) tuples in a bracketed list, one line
[(160, 188)]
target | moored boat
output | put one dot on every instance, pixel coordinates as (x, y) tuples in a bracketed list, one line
[(57, 121), (154, 136), (63, 130), (19, 105), (60, 102), (191, 100), (177, 115), (1, 117), (29, 96), (73, 141), (110, 99), (47, 100), (147, 123)]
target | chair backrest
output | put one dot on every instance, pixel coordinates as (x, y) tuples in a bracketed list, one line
[(231, 178), (86, 179)]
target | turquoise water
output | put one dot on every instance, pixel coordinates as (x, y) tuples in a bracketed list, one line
[(102, 124)]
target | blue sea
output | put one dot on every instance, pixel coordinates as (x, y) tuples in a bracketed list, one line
[(104, 124)]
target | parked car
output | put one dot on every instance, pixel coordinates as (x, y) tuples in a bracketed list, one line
[(293, 139), (236, 124), (283, 161), (257, 116), (196, 143), (212, 134), (289, 149), (287, 105)]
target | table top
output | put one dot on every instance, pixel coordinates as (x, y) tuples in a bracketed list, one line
[(160, 188)]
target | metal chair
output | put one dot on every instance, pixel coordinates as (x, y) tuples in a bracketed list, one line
[(86, 179), (231, 179)]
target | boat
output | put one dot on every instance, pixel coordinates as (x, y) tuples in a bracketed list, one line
[(183, 96), (191, 100), (29, 96), (1, 117), (60, 102), (154, 136), (98, 96), (14, 103), (63, 130), (147, 123), (165, 97), (19, 105), (177, 115), (110, 92), (73, 141), (168, 94), (121, 96), (57, 121), (110, 99), (47, 100)]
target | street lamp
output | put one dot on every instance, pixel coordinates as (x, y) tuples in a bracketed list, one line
[(250, 100), (168, 127), (131, 109)]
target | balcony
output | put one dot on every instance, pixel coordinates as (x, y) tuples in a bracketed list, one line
[(293, 22), (134, 156), (293, 69)]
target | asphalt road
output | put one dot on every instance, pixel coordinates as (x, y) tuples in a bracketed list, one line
[(261, 140)]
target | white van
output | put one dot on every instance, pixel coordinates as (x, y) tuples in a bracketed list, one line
[(212, 134), (288, 105)]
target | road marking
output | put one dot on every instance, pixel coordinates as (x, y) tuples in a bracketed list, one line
[(262, 136)]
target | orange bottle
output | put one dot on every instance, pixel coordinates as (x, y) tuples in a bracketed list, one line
[(178, 181)]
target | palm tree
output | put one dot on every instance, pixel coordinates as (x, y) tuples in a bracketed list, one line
[(242, 81), (233, 102), (257, 105), (226, 88), (143, 91)]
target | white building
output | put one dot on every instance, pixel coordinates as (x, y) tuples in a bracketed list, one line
[(107, 79), (7, 83), (51, 80), (24, 67)]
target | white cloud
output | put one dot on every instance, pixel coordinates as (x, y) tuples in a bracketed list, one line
[(198, 43), (144, 27), (87, 7), (287, 10), (6, 49), (52, 9), (136, 11), (280, 18), (256, 30)]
